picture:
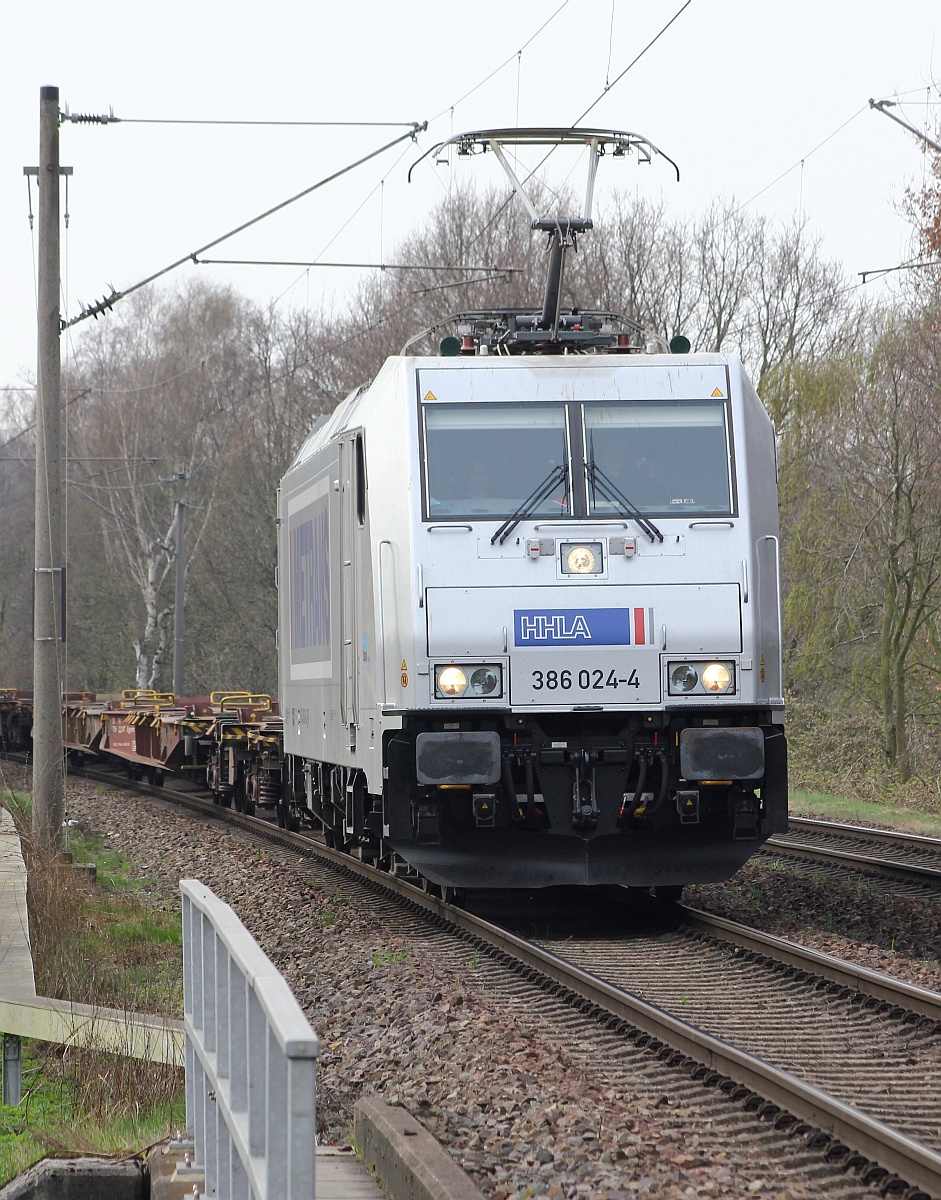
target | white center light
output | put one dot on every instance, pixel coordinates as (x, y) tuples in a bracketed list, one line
[(581, 560)]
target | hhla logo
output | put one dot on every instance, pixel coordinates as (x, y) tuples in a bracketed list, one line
[(598, 626), (562, 626)]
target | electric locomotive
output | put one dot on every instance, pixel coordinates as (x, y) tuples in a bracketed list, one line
[(530, 627)]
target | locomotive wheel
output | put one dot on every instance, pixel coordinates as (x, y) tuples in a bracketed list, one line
[(429, 888)]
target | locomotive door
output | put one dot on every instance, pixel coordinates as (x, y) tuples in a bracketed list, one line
[(349, 691)]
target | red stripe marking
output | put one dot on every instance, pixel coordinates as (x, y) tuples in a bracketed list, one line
[(639, 627)]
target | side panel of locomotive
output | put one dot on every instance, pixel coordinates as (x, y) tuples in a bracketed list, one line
[(588, 741)]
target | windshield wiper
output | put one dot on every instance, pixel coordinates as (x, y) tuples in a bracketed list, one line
[(558, 474), (608, 490)]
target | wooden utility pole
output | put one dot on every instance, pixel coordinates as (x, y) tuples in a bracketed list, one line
[(49, 576)]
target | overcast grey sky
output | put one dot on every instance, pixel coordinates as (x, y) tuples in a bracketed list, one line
[(741, 93)]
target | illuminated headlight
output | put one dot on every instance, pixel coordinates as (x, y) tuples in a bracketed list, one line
[(481, 681), (702, 678), (716, 677), (450, 681), (581, 558)]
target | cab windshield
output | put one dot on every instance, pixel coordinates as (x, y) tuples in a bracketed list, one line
[(485, 460), (666, 458)]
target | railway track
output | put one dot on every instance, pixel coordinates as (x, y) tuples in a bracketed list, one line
[(908, 860), (848, 1058)]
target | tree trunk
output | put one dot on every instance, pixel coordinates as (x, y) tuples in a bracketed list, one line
[(901, 722), (885, 674)]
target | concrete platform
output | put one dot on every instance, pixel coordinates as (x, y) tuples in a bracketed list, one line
[(340, 1175), (16, 962), (409, 1161)]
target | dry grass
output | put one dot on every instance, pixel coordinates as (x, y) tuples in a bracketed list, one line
[(105, 947)]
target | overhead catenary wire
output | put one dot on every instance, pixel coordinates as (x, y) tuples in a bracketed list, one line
[(449, 108), (263, 262), (800, 162), (95, 310), (107, 302), (32, 425), (594, 103), (112, 120), (633, 63)]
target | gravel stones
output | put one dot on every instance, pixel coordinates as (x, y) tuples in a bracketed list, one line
[(857, 921)]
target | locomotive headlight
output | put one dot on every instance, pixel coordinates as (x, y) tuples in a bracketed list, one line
[(580, 561), (581, 558), (479, 681), (683, 678), (701, 678), (451, 681), (716, 677)]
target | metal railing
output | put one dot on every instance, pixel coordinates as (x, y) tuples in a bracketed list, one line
[(251, 1060)]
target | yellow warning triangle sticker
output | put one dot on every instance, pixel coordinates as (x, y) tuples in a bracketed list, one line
[(404, 665), (430, 396), (715, 393)]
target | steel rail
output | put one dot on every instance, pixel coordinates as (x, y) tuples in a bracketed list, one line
[(835, 970), (912, 1162), (901, 871), (868, 833)]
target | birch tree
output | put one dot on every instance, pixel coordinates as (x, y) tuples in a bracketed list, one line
[(164, 376)]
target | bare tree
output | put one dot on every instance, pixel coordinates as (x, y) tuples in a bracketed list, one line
[(164, 375), (861, 474)]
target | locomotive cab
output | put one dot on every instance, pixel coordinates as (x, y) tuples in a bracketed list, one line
[(533, 620)]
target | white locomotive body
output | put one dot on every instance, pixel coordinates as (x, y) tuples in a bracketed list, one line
[(530, 619)]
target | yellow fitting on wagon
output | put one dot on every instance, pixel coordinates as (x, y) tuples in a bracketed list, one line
[(146, 696), (230, 700)]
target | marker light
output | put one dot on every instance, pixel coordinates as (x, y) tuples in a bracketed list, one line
[(683, 678), (483, 681)]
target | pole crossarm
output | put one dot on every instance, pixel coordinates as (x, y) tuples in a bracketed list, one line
[(883, 106), (108, 302)]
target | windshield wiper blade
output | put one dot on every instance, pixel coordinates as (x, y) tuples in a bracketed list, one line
[(557, 475), (609, 491)]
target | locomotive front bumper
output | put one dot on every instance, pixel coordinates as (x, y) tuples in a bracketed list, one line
[(616, 803)]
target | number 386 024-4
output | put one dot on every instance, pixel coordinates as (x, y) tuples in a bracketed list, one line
[(594, 679)]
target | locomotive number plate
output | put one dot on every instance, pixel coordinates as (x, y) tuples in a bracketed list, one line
[(585, 679)]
